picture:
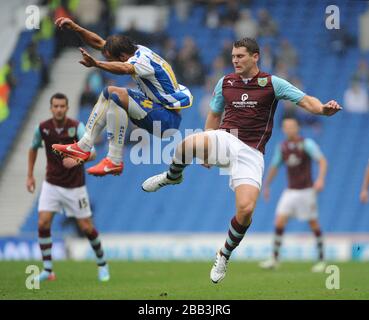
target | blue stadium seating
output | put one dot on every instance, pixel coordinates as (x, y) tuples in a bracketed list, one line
[(204, 203), (27, 86)]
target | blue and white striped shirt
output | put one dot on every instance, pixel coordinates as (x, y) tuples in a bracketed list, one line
[(156, 79)]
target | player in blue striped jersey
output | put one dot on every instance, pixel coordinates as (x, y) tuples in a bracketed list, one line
[(159, 97)]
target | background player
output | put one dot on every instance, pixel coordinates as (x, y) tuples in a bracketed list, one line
[(299, 200), (63, 188), (158, 99), (249, 99), (364, 189)]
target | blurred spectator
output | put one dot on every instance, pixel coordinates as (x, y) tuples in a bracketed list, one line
[(266, 25), (136, 35), (30, 59), (341, 40), (355, 98), (362, 73), (218, 68), (88, 14), (281, 70), (212, 19), (231, 13), (188, 65), (287, 54), (267, 59), (95, 81), (169, 51), (159, 36), (88, 97), (226, 53), (182, 9), (46, 30), (245, 25), (210, 84)]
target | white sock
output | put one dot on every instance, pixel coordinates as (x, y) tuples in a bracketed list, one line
[(117, 122), (95, 124)]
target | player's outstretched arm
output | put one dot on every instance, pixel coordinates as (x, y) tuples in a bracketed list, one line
[(115, 67), (273, 170), (364, 189), (89, 37), (314, 105), (320, 180), (31, 182)]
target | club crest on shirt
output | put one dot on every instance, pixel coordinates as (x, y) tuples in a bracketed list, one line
[(59, 130), (262, 82), (72, 132), (46, 131)]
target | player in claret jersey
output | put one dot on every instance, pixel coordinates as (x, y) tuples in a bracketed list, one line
[(248, 98), (63, 188), (299, 200)]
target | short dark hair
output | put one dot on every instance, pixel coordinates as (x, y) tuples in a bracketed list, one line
[(117, 44), (58, 95), (290, 117), (249, 43)]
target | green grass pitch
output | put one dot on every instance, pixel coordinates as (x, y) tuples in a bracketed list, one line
[(184, 280)]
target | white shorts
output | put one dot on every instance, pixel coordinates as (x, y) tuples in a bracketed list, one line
[(74, 201), (300, 204), (244, 164)]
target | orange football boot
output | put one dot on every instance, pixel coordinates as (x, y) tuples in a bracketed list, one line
[(104, 167), (71, 151)]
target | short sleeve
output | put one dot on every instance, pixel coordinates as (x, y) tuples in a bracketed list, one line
[(286, 91), (217, 102), (142, 65), (277, 157), (37, 139), (312, 149)]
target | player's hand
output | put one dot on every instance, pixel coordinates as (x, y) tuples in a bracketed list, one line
[(31, 184), (318, 185), (266, 193), (69, 163), (87, 60), (364, 198), (66, 23), (330, 108)]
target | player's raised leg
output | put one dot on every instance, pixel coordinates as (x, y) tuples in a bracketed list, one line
[(45, 219), (246, 197), (280, 223), (196, 145), (117, 122), (315, 228), (87, 227), (81, 151)]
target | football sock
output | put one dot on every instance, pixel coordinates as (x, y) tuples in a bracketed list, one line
[(236, 233), (175, 170), (277, 242), (319, 243), (117, 122), (96, 122), (95, 242), (45, 242)]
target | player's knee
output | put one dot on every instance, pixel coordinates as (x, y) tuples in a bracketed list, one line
[(44, 225), (246, 208)]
